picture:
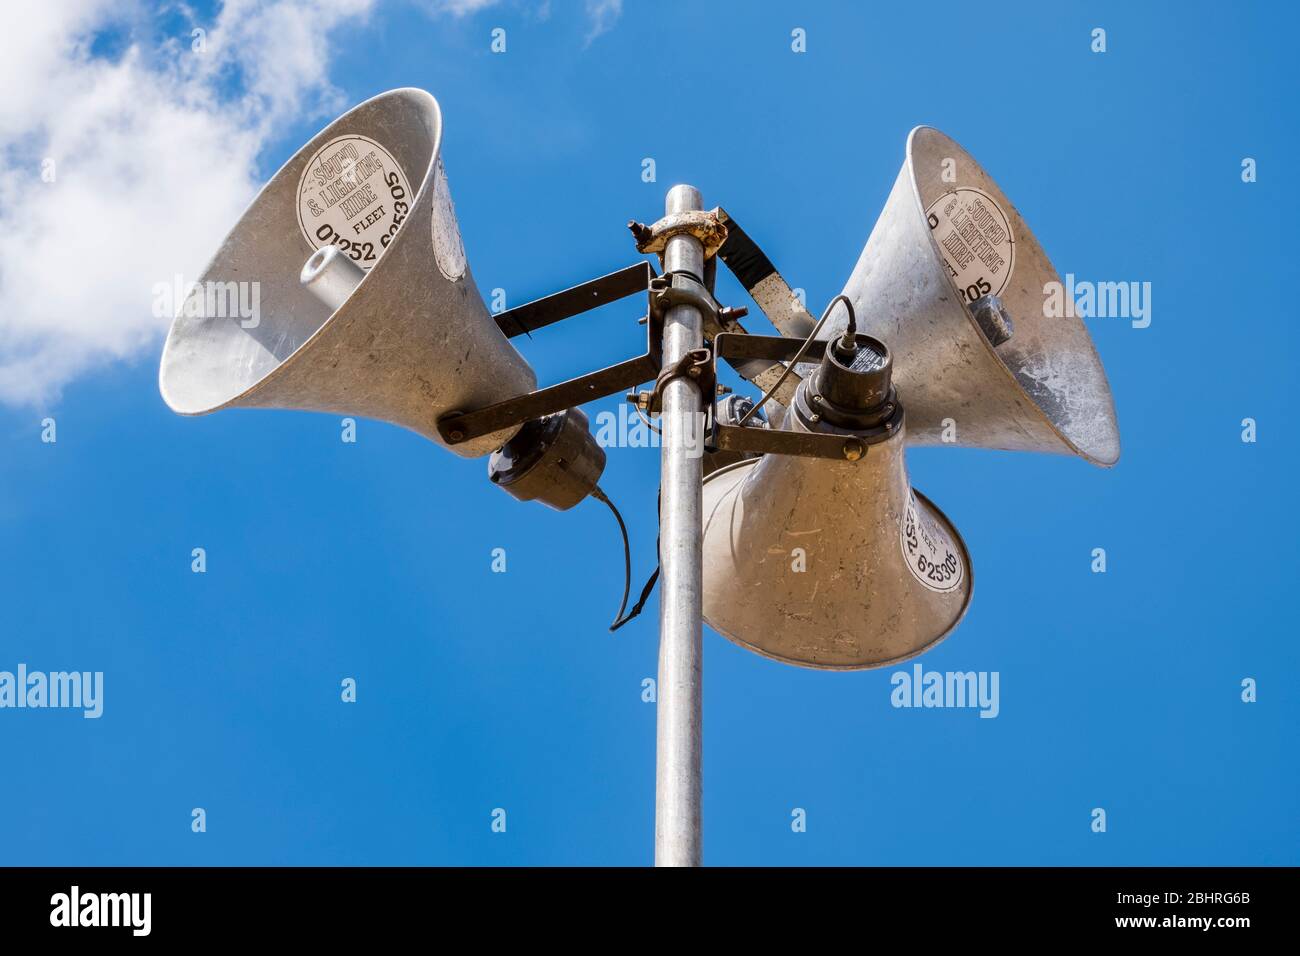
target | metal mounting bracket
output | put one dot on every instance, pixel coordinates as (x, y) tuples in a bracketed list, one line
[(456, 427), (840, 445), (697, 365), (663, 292), (704, 225), (681, 288)]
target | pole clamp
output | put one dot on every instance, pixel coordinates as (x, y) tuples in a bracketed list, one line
[(681, 288), (696, 365), (704, 225)]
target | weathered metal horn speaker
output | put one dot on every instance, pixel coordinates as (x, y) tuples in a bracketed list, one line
[(955, 282), (833, 564), (385, 320)]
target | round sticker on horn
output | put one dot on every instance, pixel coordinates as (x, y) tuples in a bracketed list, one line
[(928, 551), (448, 249), (353, 195), (975, 239)]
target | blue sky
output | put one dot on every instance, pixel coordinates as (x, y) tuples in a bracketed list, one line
[(479, 690)]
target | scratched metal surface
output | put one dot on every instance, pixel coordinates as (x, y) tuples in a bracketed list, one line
[(856, 605), (1043, 390), (408, 346)]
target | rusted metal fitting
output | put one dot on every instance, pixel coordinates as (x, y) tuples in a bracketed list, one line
[(696, 365), (729, 317), (680, 288), (704, 225)]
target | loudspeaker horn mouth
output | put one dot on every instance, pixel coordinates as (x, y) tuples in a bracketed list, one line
[(828, 565), (188, 393), (1097, 441), (1010, 375), (388, 323)]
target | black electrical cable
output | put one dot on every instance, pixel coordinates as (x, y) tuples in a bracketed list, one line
[(640, 603), (850, 329), (619, 619), (600, 495), (650, 581)]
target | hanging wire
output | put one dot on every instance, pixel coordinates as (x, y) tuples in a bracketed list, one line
[(620, 619), (851, 329), (650, 581), (627, 557)]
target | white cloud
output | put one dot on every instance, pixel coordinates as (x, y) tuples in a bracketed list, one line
[(455, 8), (153, 150), (153, 154), (603, 14)]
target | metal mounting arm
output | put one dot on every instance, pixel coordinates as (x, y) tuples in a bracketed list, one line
[(842, 446), (457, 427), (663, 293)]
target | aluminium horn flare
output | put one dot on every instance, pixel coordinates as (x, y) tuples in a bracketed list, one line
[(955, 282), (397, 331)]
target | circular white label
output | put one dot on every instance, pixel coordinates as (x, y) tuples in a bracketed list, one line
[(448, 249), (353, 195), (975, 239), (928, 551)]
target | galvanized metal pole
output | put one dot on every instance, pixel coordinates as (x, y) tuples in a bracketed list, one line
[(678, 769)]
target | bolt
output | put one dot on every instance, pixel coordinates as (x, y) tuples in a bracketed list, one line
[(729, 315), (853, 449), (455, 435), (640, 231)]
